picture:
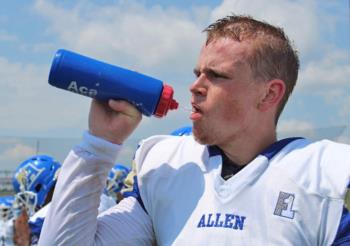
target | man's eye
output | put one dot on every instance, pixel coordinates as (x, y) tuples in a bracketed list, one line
[(215, 75), (196, 73)]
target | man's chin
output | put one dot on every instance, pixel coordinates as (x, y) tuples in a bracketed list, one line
[(201, 139)]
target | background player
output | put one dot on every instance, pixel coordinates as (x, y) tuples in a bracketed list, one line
[(34, 182), (115, 183), (6, 220)]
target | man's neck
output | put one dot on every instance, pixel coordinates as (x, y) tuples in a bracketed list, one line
[(244, 151)]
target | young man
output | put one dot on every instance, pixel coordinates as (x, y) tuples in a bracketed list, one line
[(231, 182)]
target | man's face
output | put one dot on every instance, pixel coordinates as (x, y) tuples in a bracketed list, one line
[(225, 95)]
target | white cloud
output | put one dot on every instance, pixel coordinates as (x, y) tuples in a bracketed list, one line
[(19, 76), (38, 47), (127, 33), (332, 94), (331, 72), (294, 126), (27, 99), (298, 18)]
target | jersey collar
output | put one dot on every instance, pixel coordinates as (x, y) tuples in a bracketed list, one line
[(269, 152)]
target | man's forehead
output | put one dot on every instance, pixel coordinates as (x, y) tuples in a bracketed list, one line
[(226, 43), (224, 51)]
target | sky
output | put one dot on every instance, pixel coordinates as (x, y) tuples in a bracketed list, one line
[(160, 38)]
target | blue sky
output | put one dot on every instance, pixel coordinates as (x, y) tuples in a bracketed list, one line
[(161, 39)]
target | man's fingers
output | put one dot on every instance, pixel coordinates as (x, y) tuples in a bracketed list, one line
[(124, 107)]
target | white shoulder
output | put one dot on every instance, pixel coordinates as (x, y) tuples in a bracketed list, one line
[(334, 167), (321, 167), (160, 149)]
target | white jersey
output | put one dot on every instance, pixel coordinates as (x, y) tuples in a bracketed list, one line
[(36, 221), (291, 194)]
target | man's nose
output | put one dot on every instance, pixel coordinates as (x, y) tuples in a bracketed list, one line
[(199, 87)]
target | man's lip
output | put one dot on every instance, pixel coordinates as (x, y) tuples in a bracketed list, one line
[(196, 113), (196, 108), (195, 116)]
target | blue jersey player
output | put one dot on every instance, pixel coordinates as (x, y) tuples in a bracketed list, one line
[(230, 182)]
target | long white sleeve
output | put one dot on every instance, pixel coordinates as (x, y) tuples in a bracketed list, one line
[(73, 217)]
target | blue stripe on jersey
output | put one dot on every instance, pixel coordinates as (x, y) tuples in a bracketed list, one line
[(270, 152), (343, 233), (273, 149)]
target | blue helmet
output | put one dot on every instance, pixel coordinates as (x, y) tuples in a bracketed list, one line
[(35, 177), (6, 207), (115, 179), (182, 131)]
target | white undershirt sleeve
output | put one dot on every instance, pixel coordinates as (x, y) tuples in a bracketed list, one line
[(73, 217)]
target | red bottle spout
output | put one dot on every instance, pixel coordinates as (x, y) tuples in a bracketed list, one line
[(173, 104), (166, 102)]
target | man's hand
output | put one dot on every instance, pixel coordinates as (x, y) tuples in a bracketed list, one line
[(21, 235), (113, 121)]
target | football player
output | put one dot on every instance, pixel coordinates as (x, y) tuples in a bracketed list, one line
[(231, 182), (6, 220), (114, 184), (34, 182)]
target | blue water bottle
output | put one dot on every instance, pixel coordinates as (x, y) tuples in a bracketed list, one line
[(89, 77)]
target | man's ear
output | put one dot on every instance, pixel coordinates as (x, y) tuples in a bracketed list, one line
[(274, 92)]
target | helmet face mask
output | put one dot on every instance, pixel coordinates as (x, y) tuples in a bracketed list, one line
[(115, 179), (25, 200), (6, 211), (35, 177)]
